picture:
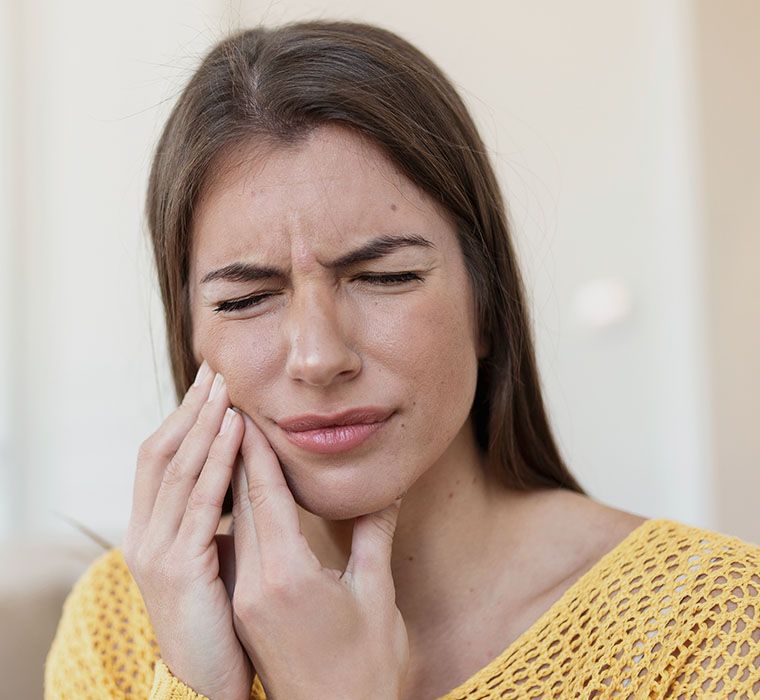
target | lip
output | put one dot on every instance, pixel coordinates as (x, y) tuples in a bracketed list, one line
[(338, 432), (352, 416), (338, 438)]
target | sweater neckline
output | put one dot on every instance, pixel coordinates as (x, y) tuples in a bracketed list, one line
[(493, 667)]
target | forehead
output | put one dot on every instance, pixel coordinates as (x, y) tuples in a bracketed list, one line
[(331, 188)]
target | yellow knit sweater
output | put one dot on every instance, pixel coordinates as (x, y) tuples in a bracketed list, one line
[(673, 611)]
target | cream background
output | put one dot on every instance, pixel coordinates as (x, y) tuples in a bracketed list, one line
[(624, 134)]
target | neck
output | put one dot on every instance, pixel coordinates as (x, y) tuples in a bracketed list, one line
[(455, 523)]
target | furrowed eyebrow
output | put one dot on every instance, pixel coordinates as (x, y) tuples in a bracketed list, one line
[(375, 248)]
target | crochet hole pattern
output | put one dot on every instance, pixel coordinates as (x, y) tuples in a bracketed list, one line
[(670, 612)]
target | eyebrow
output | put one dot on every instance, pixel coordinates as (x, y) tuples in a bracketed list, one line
[(375, 248)]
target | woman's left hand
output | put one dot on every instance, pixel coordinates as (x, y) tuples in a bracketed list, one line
[(311, 632)]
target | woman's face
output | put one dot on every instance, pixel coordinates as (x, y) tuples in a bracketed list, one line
[(324, 339)]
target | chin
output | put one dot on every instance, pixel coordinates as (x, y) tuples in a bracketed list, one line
[(331, 500), (329, 509)]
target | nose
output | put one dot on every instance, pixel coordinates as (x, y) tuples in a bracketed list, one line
[(318, 353)]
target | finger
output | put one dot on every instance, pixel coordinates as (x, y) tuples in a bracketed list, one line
[(244, 531), (204, 505), (275, 513), (181, 473), (369, 564), (161, 446)]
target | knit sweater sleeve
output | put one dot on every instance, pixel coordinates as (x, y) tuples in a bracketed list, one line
[(719, 652), (104, 647)]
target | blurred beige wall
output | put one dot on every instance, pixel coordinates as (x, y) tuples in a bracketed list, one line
[(596, 119), (7, 481), (728, 65), (625, 136)]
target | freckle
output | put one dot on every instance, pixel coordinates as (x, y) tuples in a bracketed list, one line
[(393, 207), (410, 558), (472, 590), (457, 480), (451, 495), (402, 425)]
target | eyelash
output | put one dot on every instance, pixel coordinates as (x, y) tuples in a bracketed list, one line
[(240, 304)]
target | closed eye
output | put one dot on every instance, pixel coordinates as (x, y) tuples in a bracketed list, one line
[(246, 302)]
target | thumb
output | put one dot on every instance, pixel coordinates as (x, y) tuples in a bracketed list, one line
[(371, 546)]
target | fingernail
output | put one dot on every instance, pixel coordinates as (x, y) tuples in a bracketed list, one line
[(227, 420), (216, 386), (202, 372)]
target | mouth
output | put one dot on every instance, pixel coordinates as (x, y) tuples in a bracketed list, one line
[(335, 438), (351, 416)]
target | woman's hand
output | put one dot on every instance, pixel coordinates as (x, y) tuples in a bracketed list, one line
[(183, 471), (311, 632)]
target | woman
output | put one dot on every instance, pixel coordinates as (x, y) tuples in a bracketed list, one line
[(351, 347)]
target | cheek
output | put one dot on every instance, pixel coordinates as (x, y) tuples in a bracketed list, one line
[(431, 351), (430, 338), (446, 377), (242, 356)]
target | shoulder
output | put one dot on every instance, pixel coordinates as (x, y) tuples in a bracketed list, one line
[(719, 572), (655, 606), (103, 638), (711, 581), (701, 555), (578, 530), (703, 575), (705, 566), (681, 602)]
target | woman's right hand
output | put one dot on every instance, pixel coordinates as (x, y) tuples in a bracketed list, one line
[(170, 547)]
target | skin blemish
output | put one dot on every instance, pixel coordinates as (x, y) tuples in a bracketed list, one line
[(393, 207), (410, 558), (451, 495)]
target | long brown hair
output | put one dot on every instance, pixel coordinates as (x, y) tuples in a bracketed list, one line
[(273, 86)]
